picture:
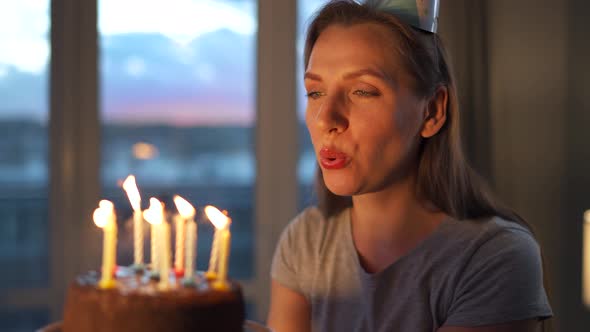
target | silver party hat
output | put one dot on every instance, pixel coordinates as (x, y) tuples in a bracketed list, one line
[(421, 14)]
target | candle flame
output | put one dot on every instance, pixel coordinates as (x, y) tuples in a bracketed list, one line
[(155, 213), (217, 217), (185, 208), (102, 213), (130, 188)]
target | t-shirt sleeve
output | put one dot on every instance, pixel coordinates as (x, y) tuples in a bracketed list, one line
[(502, 282), (293, 248)]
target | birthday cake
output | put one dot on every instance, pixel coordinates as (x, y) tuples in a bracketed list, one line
[(137, 304), (156, 296)]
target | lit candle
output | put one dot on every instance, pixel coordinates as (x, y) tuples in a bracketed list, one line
[(212, 270), (164, 255), (154, 247), (586, 261), (221, 223), (130, 188), (224, 247), (188, 238), (155, 216), (179, 223), (190, 252), (104, 217)]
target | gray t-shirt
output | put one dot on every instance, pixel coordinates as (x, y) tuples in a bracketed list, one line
[(466, 273)]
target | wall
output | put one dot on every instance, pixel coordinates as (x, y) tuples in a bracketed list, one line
[(524, 74), (575, 317)]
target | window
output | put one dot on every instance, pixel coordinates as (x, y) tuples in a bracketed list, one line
[(203, 148), (24, 245), (178, 110)]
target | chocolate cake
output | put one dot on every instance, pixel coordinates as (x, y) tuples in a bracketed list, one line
[(138, 304)]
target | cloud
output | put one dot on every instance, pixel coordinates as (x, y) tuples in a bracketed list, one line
[(24, 34), (179, 20), (24, 24)]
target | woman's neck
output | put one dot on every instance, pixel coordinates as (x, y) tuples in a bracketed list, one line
[(388, 224)]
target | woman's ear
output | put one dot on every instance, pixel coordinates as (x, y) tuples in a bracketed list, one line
[(435, 114)]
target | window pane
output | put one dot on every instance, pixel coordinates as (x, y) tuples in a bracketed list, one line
[(24, 29), (178, 108), (23, 320), (307, 162)]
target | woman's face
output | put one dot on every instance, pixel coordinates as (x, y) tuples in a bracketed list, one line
[(362, 115)]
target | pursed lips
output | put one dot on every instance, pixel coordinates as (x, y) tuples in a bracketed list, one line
[(331, 158)]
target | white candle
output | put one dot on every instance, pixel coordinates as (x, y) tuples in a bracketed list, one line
[(191, 245), (179, 224), (586, 261), (130, 188), (212, 270), (155, 216), (104, 217), (137, 238), (154, 246), (186, 224), (218, 269), (224, 248), (164, 256)]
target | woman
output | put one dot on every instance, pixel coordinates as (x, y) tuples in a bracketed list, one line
[(406, 237)]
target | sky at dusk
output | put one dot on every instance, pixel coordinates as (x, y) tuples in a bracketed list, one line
[(179, 62)]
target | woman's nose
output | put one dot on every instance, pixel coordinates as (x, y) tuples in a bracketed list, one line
[(331, 115)]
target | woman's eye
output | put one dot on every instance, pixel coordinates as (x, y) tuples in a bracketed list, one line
[(314, 94), (365, 93)]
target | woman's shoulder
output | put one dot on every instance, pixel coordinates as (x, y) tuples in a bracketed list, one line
[(311, 228), (311, 219), (510, 237), (479, 242), (476, 243), (300, 247), (496, 228), (498, 266)]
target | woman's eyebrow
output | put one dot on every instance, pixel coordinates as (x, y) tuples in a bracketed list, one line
[(365, 72), (379, 74), (354, 74), (312, 76)]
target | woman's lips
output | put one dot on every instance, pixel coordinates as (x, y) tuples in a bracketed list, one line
[(333, 159)]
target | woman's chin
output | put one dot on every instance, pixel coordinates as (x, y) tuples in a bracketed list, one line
[(340, 188)]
